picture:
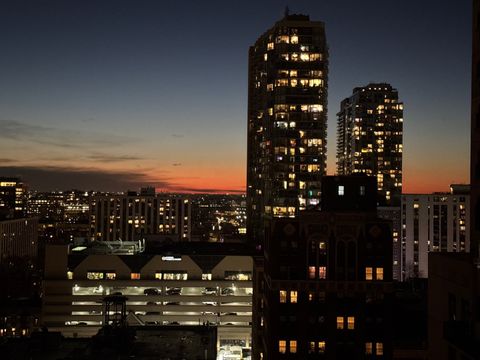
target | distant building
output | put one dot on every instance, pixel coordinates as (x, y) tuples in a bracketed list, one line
[(12, 198), (181, 284), (370, 138), (18, 239), (431, 223), (18, 258), (129, 217), (287, 121), (325, 286)]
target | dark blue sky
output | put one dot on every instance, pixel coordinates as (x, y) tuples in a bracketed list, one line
[(158, 89)]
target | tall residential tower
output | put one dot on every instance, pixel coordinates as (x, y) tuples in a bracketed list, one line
[(287, 121), (369, 138)]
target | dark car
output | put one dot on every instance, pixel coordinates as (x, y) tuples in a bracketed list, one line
[(173, 291), (227, 291), (151, 291)]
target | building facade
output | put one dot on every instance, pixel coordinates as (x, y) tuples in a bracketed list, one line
[(12, 198), (130, 216), (326, 289), (287, 120), (370, 138), (438, 222), (181, 285)]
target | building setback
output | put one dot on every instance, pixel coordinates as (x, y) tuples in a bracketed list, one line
[(129, 217), (287, 120), (369, 138), (325, 290), (436, 222)]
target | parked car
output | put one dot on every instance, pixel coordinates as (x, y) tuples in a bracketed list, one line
[(209, 291), (151, 291), (173, 291), (227, 291)]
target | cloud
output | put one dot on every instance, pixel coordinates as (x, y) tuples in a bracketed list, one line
[(63, 178), (176, 164), (5, 161), (57, 137), (112, 158), (178, 135)]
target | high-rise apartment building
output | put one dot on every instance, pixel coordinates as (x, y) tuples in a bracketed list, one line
[(287, 120), (130, 216), (436, 222), (369, 138)]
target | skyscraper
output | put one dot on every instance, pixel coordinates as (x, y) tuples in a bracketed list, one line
[(369, 138), (287, 121)]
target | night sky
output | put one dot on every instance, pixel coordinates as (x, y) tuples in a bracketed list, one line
[(110, 95)]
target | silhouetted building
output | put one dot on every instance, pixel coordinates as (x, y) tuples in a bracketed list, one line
[(454, 278), (433, 222), (12, 198), (287, 120), (326, 289), (129, 217), (369, 138)]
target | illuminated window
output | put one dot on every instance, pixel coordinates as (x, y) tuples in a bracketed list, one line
[(322, 272), (341, 190), (321, 347), (69, 275), (293, 346), (311, 347), (175, 276), (310, 296), (293, 296), (92, 275), (206, 276), (368, 273), (110, 276), (282, 346), (340, 325), (158, 276), (379, 348), (369, 348), (283, 296), (379, 273), (351, 322), (135, 276), (311, 272), (294, 39)]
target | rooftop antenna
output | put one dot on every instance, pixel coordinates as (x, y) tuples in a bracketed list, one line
[(287, 11)]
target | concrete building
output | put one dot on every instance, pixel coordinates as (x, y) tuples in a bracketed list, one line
[(370, 138), (432, 223), (130, 216), (287, 121), (175, 284), (325, 290)]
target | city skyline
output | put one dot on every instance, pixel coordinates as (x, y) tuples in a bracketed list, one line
[(75, 76)]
